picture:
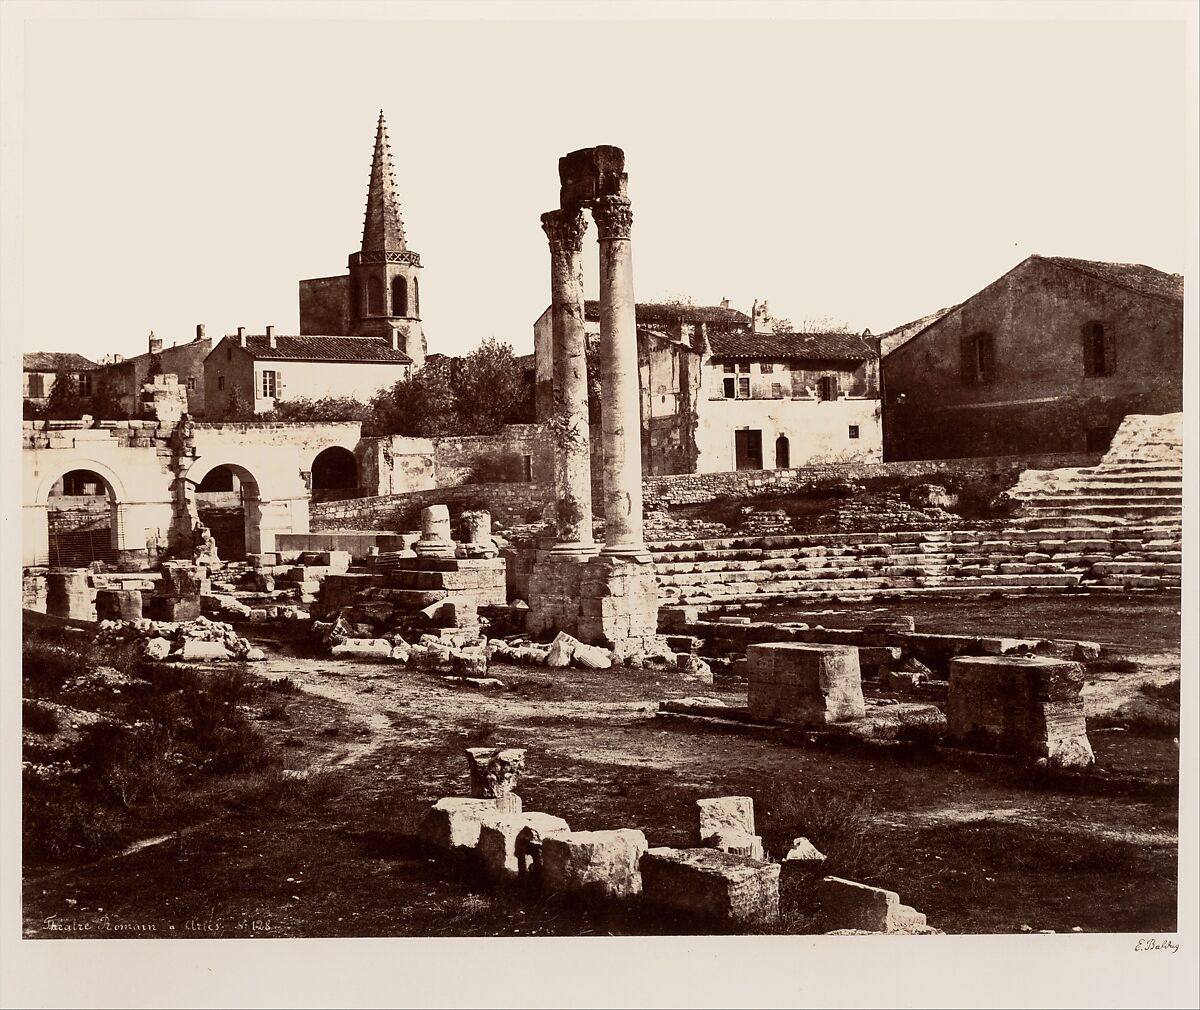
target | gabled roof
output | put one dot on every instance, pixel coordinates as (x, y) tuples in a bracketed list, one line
[(315, 348), (383, 228), (1135, 276), (900, 335), (671, 312), (56, 361), (790, 346)]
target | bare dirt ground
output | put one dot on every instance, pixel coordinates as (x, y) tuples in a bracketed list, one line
[(978, 847)]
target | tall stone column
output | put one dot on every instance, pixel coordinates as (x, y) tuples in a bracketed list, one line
[(569, 419), (621, 421)]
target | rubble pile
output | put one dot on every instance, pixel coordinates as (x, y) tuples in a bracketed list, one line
[(192, 640)]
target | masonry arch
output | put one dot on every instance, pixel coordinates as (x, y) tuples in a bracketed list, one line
[(334, 474), (399, 296), (83, 520), (229, 502)]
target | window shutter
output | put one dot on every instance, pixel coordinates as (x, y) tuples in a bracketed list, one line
[(966, 357), (278, 384), (1089, 357), (987, 358)]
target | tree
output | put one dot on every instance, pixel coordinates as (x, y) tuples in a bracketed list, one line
[(106, 404), (63, 402), (489, 388), (421, 406), (822, 324), (237, 408)]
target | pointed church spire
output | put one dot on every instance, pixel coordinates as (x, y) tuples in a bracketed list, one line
[(383, 228)]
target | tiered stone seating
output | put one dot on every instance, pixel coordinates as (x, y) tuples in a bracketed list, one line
[(861, 565)]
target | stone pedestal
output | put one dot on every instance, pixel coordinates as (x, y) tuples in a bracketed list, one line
[(173, 608), (554, 588), (812, 685), (1031, 706), (118, 604), (618, 599), (454, 822), (68, 595), (712, 885), (498, 841), (435, 539)]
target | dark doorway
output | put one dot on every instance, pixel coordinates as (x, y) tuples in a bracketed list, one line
[(747, 450), (783, 453), (81, 520)]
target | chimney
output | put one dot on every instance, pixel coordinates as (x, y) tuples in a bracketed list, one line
[(199, 331), (242, 336), (271, 337), (118, 358), (155, 343), (724, 303)]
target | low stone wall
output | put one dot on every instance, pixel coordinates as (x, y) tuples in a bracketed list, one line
[(508, 503), (692, 489)]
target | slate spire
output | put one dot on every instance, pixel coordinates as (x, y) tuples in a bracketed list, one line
[(383, 228)]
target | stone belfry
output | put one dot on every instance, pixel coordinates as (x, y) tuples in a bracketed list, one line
[(385, 286)]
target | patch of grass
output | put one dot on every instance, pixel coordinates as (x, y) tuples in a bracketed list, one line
[(38, 718), (1168, 692), (275, 711), (281, 685)]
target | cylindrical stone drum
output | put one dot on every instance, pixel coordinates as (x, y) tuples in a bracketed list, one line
[(68, 595)]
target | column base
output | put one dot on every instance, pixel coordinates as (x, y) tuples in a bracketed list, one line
[(575, 549), (627, 552)]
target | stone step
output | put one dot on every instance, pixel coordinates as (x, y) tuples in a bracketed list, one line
[(979, 587), (1100, 489), (1136, 568)]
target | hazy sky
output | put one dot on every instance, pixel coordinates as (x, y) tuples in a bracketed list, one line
[(178, 172)]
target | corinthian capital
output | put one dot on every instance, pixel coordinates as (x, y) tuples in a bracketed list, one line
[(565, 229), (613, 216)]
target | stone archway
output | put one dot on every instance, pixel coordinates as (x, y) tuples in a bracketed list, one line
[(334, 474), (83, 521), (229, 503)]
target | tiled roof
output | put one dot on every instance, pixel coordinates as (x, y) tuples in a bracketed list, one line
[(670, 312), (56, 361), (1134, 276), (900, 335), (783, 346), (360, 349)]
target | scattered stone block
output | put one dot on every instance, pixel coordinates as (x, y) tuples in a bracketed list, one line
[(498, 840), (737, 843), (562, 650), (711, 884), (174, 608), (195, 650), (1031, 706), (596, 862), (363, 648), (694, 668), (846, 904), (812, 685), (495, 771), (724, 813), (802, 860), (454, 822), (157, 648), (593, 657), (898, 623)]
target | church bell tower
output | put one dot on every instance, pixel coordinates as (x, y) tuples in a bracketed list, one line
[(385, 286)]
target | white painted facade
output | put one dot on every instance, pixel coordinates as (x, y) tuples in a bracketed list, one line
[(294, 380)]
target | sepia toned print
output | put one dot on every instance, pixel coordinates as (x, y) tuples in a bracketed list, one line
[(657, 614)]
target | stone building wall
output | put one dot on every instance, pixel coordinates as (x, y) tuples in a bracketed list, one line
[(508, 503), (325, 306), (1039, 397), (692, 489)]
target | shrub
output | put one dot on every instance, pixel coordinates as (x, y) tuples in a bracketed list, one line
[(71, 827), (501, 468)]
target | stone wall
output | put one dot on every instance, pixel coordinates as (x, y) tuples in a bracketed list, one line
[(508, 503), (691, 489), (517, 453)]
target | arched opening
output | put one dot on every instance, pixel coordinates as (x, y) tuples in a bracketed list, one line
[(416, 297), (399, 296), (375, 297), (783, 453), (82, 520), (227, 502), (334, 474)]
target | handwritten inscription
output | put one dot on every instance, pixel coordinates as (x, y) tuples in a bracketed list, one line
[(1150, 943)]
